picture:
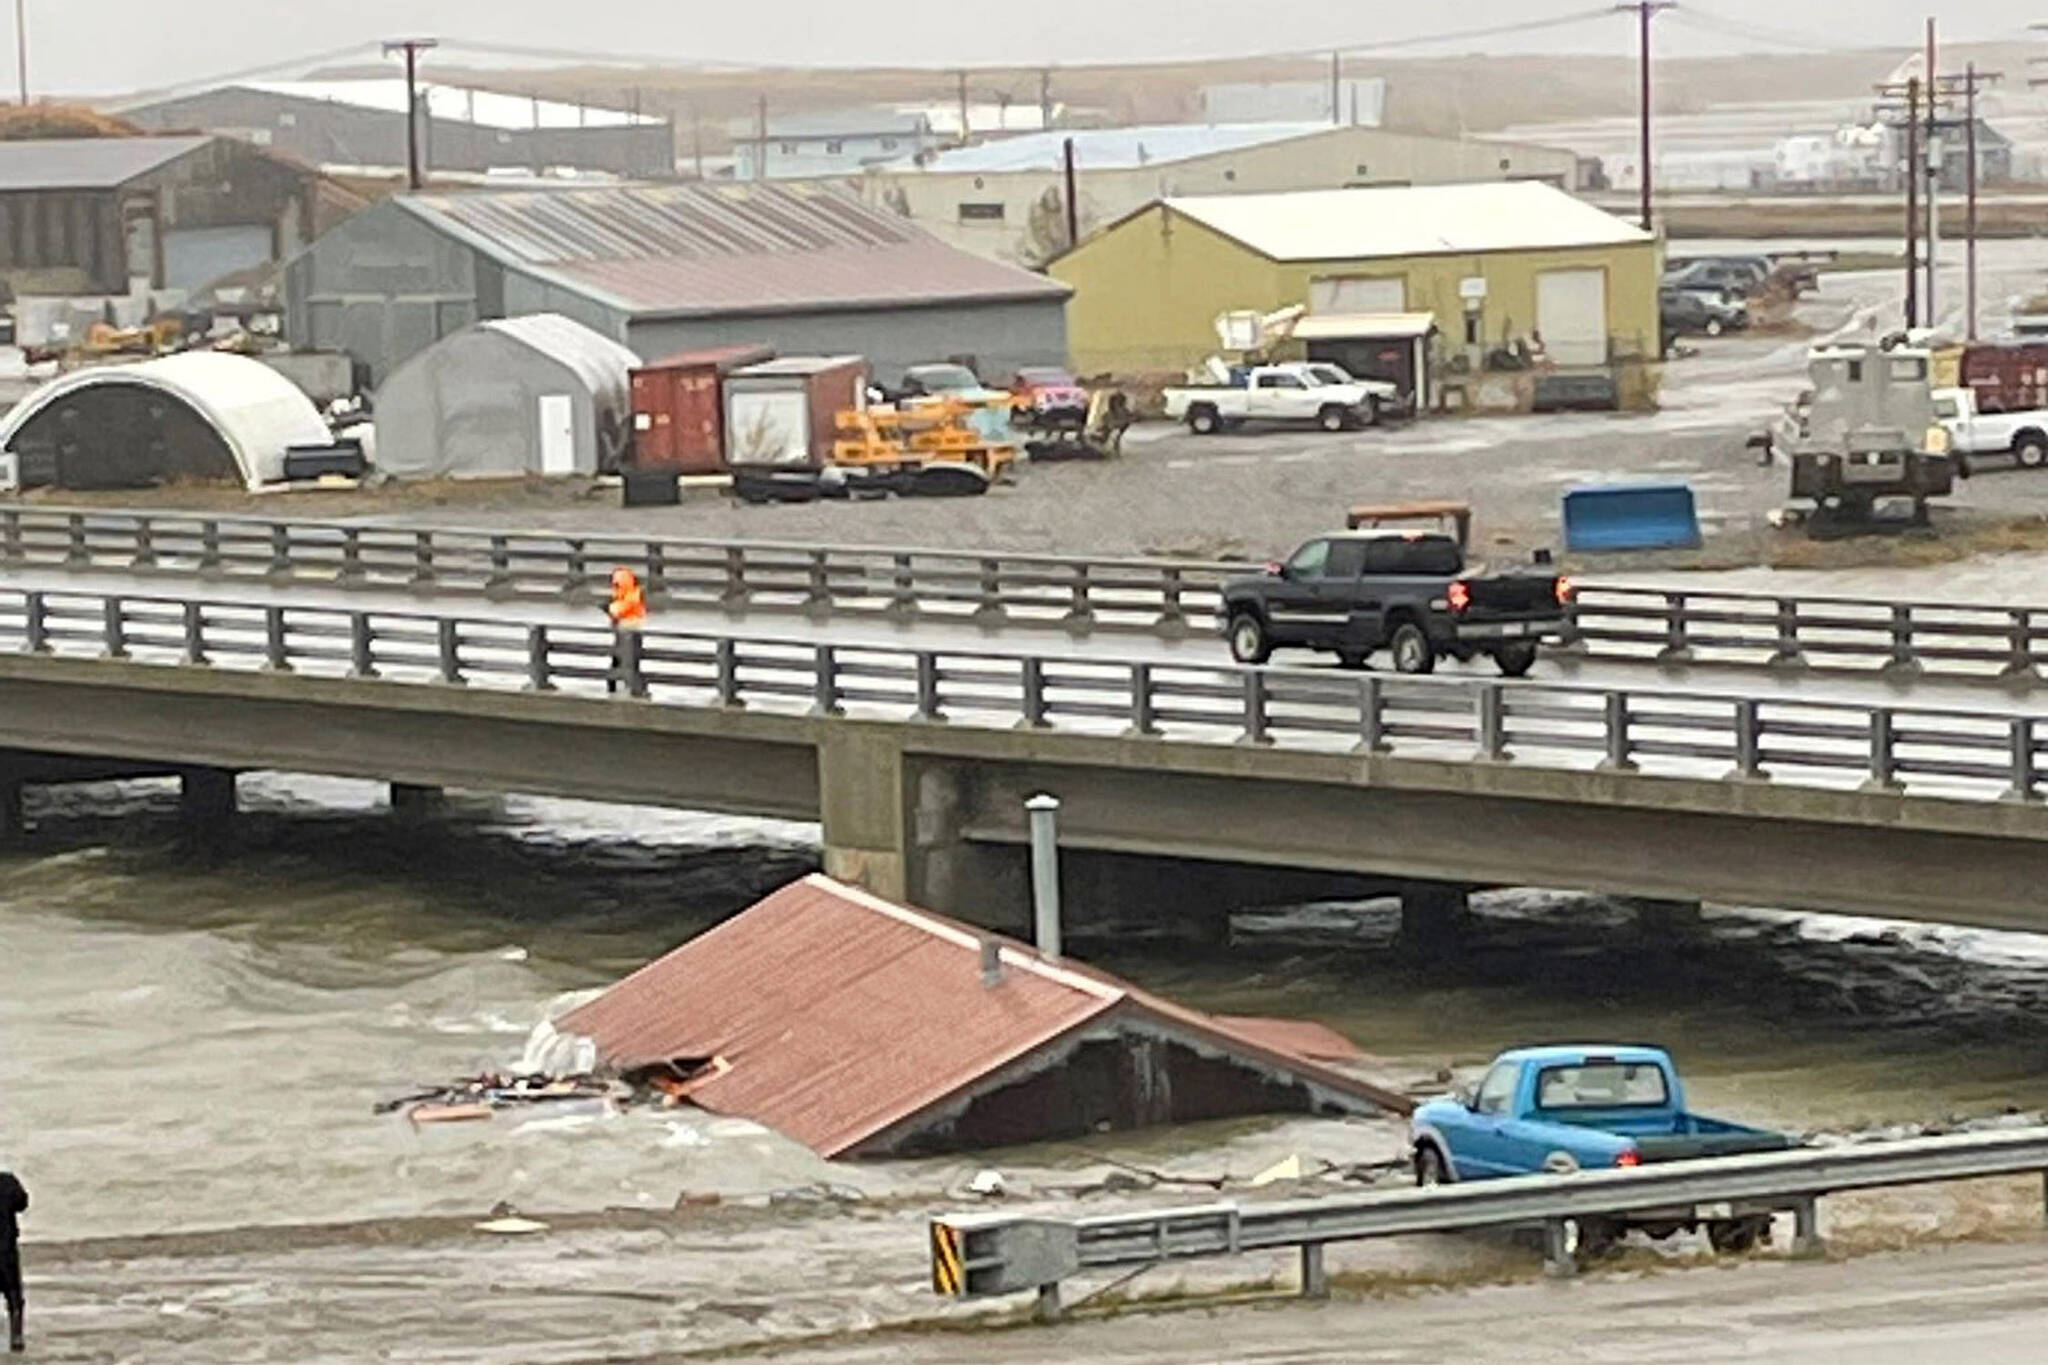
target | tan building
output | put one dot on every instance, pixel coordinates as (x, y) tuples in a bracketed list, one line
[(1005, 199), (1495, 267)]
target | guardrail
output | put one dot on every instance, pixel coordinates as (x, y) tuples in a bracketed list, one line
[(977, 1255), (1078, 594), (1168, 597), (1944, 753)]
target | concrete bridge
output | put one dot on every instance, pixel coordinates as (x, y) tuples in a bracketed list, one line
[(1849, 795)]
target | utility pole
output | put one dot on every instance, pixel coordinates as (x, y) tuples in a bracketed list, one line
[(1933, 150), (1913, 203), (963, 107), (1922, 119), (1045, 97), (1336, 88), (1970, 202), (412, 47), (21, 46), (761, 138), (1646, 10)]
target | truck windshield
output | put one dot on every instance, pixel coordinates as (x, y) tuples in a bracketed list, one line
[(1601, 1085)]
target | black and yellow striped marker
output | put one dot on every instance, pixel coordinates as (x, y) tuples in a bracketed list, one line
[(949, 1274)]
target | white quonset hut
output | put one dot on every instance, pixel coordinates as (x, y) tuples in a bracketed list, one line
[(197, 417), (529, 395)]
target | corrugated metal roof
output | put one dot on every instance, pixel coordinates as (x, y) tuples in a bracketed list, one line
[(87, 163), (1097, 149), (843, 1016), (454, 104), (1423, 220), (877, 122), (680, 250), (724, 359)]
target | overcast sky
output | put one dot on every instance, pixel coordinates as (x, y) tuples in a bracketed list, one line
[(112, 46)]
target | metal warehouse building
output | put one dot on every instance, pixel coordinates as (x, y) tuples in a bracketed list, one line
[(802, 267), (1496, 265)]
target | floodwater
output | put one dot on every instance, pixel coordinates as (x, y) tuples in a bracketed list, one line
[(195, 1036)]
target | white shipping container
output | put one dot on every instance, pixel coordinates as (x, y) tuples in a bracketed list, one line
[(768, 427)]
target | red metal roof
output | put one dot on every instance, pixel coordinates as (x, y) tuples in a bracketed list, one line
[(681, 250), (723, 359), (843, 1015)]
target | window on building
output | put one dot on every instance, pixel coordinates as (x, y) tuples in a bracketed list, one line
[(787, 148), (973, 212), (287, 120), (1472, 329), (834, 148), (1230, 175), (1362, 169), (888, 144)]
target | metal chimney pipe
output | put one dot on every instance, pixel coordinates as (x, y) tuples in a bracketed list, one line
[(1045, 873), (991, 962)]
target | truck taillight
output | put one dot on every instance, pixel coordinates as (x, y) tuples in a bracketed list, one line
[(1566, 591), (1460, 595), (1630, 1157)]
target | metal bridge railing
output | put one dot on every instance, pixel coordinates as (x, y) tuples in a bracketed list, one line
[(1966, 755), (980, 1254)]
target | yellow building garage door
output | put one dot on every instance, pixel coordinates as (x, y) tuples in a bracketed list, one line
[(1571, 313)]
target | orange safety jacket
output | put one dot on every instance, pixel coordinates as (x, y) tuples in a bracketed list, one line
[(628, 608)]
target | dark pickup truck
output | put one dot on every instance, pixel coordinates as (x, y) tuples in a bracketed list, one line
[(1411, 593)]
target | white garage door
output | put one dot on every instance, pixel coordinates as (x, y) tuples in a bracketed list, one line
[(1353, 294), (1571, 313), (197, 256)]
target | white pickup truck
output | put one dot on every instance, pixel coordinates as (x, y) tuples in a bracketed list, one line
[(2022, 435), (1296, 392)]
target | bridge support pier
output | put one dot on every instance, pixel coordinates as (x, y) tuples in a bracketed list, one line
[(206, 796), (410, 799), (1436, 918), (1662, 919), (13, 825)]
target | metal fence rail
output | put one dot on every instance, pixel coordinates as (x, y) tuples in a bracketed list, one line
[(975, 1255), (1924, 751), (1170, 597)]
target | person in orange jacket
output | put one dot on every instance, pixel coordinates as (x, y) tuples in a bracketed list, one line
[(628, 611)]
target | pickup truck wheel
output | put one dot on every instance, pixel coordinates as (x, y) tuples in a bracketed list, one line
[(1429, 1167), (2030, 452), (1515, 660), (1713, 327), (1248, 642), (1412, 651), (1333, 418), (1203, 421)]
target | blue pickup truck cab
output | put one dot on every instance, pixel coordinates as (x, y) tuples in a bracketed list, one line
[(1561, 1109)]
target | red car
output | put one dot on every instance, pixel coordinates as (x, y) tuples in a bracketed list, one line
[(1056, 396)]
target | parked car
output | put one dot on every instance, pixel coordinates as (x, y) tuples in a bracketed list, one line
[(1737, 275), (1270, 393), (930, 381), (1408, 592), (1562, 1109), (1690, 312), (1054, 395), (1971, 434)]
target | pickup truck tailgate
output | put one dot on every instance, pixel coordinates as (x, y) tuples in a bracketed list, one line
[(1688, 1146), (1513, 597)]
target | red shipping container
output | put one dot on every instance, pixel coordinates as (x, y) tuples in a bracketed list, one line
[(784, 413), (2007, 377), (679, 407)]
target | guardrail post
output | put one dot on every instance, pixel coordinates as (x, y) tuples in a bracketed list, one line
[(1080, 616), (2025, 776), (209, 546), (539, 675), (735, 594), (1614, 716), (902, 588), (498, 578), (988, 610), (11, 548), (113, 629), (276, 657), (74, 540), (351, 555), (657, 569), (818, 585), (195, 633), (1786, 653), (2019, 664), (1807, 1242), (1749, 731), (1884, 762), (928, 687), (448, 636), (1902, 661), (1560, 1261), (35, 609), (145, 544), (725, 659), (627, 649), (1144, 721), (1677, 631), (362, 656), (1572, 639), (1032, 700), (825, 681), (575, 569), (1315, 1278), (422, 559), (1372, 716), (280, 565), (1173, 616), (1047, 1308), (1256, 729), (1491, 723)]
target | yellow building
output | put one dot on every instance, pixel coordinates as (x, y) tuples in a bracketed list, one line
[(1501, 265)]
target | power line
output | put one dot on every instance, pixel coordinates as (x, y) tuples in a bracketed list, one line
[(1706, 21)]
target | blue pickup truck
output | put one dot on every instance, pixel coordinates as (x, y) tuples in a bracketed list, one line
[(1568, 1108)]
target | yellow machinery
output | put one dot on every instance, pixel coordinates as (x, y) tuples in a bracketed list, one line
[(938, 431)]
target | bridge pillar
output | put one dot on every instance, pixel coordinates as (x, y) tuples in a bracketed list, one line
[(410, 799), (206, 796), (863, 794), (1435, 918), (13, 825), (1666, 919)]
